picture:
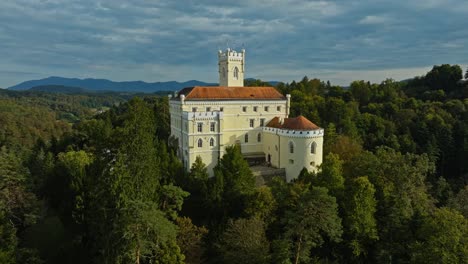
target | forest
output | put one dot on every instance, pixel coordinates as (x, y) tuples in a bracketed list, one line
[(94, 178)]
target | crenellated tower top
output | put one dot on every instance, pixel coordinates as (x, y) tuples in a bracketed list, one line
[(231, 67)]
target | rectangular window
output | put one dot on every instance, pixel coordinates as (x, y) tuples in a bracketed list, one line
[(266, 108), (200, 127), (194, 109), (291, 161), (278, 108), (244, 109), (252, 122), (221, 109), (255, 108), (212, 126), (262, 122), (208, 109)]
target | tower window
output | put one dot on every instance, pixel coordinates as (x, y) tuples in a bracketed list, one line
[(291, 147), (211, 142), (252, 122), (278, 108), (236, 73), (200, 127), (313, 148), (259, 137), (291, 161), (200, 143), (208, 109), (212, 126), (255, 108), (194, 109), (266, 108), (244, 109), (246, 138), (224, 72)]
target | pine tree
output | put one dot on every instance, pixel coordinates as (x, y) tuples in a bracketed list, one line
[(238, 181), (359, 215)]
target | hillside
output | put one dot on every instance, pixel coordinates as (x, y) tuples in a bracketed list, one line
[(60, 89), (107, 85)]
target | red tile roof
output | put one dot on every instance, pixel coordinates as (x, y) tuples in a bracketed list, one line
[(295, 123), (231, 93)]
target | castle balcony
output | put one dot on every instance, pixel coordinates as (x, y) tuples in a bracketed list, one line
[(213, 115)]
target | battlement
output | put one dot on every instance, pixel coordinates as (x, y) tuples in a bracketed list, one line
[(231, 55)]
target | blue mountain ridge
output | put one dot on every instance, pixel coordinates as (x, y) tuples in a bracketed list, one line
[(107, 85)]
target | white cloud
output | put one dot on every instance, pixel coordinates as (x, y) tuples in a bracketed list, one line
[(372, 19)]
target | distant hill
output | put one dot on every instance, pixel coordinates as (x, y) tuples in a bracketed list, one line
[(107, 85), (60, 89)]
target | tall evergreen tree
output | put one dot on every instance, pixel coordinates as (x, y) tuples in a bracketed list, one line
[(359, 215), (238, 182)]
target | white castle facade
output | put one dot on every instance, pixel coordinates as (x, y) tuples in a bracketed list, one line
[(205, 120)]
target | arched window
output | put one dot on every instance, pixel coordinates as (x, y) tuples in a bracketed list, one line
[(246, 138), (200, 143), (313, 147), (291, 147), (211, 142), (236, 73), (259, 137)]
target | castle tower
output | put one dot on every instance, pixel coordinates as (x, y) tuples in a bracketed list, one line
[(231, 67)]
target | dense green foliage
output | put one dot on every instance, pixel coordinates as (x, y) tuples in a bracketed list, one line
[(95, 179)]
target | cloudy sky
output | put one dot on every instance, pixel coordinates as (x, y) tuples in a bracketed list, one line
[(336, 40)]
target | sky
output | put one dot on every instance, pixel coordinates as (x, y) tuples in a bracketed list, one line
[(163, 40)]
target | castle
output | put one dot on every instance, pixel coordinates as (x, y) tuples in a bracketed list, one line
[(206, 119)]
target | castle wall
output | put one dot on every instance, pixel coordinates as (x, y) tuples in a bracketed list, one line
[(278, 145), (232, 123)]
